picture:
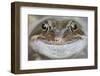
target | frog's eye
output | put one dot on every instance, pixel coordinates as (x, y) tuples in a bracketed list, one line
[(45, 27), (71, 26), (74, 26)]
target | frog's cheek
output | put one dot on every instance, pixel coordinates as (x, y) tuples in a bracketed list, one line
[(35, 37)]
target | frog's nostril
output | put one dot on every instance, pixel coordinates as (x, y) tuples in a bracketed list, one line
[(58, 39)]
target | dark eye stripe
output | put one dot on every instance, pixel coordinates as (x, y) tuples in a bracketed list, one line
[(71, 29)]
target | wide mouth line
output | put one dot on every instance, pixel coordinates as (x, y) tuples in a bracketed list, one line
[(59, 43)]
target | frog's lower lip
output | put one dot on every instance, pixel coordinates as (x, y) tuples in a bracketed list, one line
[(58, 42)]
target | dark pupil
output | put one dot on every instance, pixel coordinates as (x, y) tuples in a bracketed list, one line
[(75, 27), (43, 26)]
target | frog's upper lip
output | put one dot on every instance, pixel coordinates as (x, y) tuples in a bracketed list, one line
[(58, 42), (61, 41)]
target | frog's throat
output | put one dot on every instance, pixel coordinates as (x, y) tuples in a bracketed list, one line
[(59, 51)]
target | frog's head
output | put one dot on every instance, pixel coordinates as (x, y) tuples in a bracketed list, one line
[(55, 31)]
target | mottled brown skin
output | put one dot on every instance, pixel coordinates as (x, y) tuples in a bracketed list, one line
[(47, 30)]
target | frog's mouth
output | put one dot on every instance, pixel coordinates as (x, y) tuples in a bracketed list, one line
[(63, 50), (60, 41), (57, 40)]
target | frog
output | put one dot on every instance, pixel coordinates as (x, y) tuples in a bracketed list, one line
[(55, 38)]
